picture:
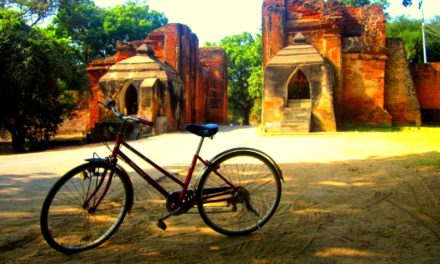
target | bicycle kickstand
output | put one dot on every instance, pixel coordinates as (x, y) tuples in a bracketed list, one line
[(160, 222)]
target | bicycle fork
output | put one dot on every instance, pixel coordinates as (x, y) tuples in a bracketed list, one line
[(95, 204)]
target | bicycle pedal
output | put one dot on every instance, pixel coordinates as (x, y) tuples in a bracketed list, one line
[(161, 224)]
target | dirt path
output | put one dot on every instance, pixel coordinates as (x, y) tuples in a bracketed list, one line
[(347, 198)]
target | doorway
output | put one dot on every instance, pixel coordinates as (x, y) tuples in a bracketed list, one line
[(131, 101), (298, 87)]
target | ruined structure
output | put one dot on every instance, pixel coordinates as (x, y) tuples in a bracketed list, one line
[(148, 87), (213, 84), (427, 82), (165, 78), (325, 66)]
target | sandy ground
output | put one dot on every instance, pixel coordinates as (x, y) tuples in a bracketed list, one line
[(347, 198)]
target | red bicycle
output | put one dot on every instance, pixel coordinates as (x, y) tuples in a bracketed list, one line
[(236, 192)]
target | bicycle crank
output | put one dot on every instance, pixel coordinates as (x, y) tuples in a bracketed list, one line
[(176, 207), (173, 203)]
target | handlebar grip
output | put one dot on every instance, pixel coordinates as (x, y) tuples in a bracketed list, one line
[(109, 103), (137, 120)]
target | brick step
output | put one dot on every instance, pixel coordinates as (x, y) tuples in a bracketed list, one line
[(298, 118), (297, 109), (299, 103), (295, 124), (295, 129), (298, 114), (289, 124)]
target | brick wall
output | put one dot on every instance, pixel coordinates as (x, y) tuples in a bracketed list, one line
[(213, 61), (176, 45), (427, 83)]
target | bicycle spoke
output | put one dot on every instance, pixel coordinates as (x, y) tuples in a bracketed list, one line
[(257, 187), (70, 225)]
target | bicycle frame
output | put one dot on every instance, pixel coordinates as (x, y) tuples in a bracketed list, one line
[(241, 185), (117, 153)]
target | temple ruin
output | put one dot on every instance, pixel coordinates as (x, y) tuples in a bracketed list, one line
[(326, 66), (166, 78)]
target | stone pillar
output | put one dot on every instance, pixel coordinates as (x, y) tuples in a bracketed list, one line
[(176, 45), (364, 63), (364, 84), (95, 71), (332, 51), (273, 28), (214, 63), (400, 94)]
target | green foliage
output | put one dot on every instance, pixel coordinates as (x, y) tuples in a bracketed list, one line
[(245, 81), (32, 11), (410, 31), (96, 30), (131, 22), (35, 70), (432, 30), (359, 3), (210, 44)]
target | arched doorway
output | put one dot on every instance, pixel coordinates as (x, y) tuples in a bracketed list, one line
[(298, 94), (131, 101), (298, 87)]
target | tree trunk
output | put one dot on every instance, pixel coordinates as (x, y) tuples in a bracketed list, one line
[(247, 113), (245, 120), (18, 141)]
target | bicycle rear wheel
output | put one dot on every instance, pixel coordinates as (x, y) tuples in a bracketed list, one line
[(71, 218), (252, 200)]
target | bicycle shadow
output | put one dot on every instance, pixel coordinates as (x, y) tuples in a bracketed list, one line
[(372, 210)]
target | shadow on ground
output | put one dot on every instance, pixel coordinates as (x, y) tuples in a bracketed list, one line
[(365, 211)]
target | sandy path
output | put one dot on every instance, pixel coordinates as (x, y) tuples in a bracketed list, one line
[(348, 198)]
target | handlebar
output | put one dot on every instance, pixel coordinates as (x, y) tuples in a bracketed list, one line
[(111, 104)]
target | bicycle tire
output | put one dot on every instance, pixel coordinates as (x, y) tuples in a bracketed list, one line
[(259, 182), (67, 221)]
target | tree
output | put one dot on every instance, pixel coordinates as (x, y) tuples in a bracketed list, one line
[(410, 31), (432, 30), (245, 82), (35, 73), (359, 3), (97, 30), (32, 11)]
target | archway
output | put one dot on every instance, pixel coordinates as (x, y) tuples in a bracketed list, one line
[(298, 87), (131, 104), (298, 94)]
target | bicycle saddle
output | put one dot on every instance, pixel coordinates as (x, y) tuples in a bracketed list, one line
[(207, 130)]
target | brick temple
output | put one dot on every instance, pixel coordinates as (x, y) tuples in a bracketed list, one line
[(166, 78), (327, 65)]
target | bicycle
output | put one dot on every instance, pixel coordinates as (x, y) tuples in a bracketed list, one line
[(236, 192)]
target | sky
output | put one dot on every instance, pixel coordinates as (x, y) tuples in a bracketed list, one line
[(211, 20)]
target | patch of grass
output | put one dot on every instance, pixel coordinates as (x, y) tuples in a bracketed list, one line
[(427, 161), (368, 128)]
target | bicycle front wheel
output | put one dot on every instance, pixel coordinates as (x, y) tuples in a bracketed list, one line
[(243, 193), (85, 207)]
